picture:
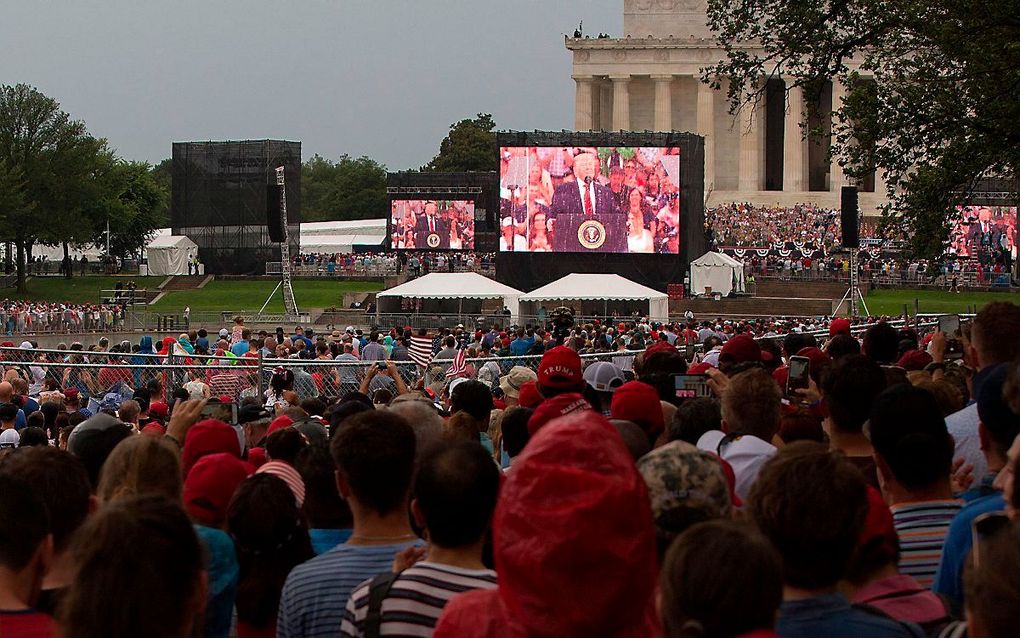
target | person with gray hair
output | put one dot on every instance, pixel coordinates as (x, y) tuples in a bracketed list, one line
[(424, 420)]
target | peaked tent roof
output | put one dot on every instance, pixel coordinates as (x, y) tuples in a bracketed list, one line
[(593, 286), (715, 259), (171, 241), (452, 285)]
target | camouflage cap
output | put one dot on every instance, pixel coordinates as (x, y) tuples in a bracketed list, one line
[(686, 485)]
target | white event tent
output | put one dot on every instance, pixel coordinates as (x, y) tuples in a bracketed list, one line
[(605, 288), (722, 273), (342, 236), (453, 285), (169, 254)]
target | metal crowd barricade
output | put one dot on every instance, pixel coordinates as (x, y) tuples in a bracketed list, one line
[(94, 374)]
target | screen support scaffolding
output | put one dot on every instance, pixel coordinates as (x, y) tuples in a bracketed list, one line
[(289, 302)]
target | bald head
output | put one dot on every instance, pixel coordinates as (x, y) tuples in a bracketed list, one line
[(6, 392)]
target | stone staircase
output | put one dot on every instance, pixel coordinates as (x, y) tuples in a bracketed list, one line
[(185, 282)]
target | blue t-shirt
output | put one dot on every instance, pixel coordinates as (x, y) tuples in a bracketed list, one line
[(949, 577), (831, 616), (315, 595), (240, 348), (324, 539), (223, 574)]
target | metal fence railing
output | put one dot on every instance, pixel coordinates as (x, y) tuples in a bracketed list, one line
[(94, 374)]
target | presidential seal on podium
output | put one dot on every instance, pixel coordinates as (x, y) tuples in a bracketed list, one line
[(591, 234), (433, 240)]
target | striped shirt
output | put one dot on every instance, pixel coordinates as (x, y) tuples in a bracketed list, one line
[(922, 529), (416, 600), (315, 594)]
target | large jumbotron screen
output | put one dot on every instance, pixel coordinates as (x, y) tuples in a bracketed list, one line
[(985, 233), (432, 224), (589, 199)]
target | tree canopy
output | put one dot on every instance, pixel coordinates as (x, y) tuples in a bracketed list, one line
[(469, 146), (347, 188), (938, 110), (59, 185)]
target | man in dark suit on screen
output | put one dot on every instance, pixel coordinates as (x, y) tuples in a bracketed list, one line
[(584, 200), (430, 231)]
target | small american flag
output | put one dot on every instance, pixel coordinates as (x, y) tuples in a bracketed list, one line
[(459, 365), (421, 351)]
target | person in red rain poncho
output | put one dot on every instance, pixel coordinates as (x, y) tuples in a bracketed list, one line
[(574, 543)]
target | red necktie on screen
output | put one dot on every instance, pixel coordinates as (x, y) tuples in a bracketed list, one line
[(432, 226), (587, 200)]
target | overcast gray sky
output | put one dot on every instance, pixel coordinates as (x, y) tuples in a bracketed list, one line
[(383, 78)]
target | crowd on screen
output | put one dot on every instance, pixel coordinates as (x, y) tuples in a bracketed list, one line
[(640, 184), (857, 481), (742, 224), (416, 263)]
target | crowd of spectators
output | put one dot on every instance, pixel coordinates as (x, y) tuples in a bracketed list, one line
[(684, 492), (377, 263), (21, 316)]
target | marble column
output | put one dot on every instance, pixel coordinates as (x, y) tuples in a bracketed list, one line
[(706, 129), (605, 98), (750, 149), (582, 103), (793, 151), (663, 103), (836, 177), (621, 102)]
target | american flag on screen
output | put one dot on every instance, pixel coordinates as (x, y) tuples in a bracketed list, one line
[(459, 365), (421, 350)]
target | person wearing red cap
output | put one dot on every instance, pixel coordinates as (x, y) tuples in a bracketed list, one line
[(839, 327), (574, 543), (554, 408), (559, 372), (210, 436), (741, 349), (638, 402), (872, 577), (208, 487)]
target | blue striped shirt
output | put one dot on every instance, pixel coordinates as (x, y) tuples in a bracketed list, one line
[(314, 597)]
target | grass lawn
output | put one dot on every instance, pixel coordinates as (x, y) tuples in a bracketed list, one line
[(890, 301), (216, 296), (250, 295), (76, 289)]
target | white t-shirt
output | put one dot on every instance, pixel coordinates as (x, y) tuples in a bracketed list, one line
[(746, 455)]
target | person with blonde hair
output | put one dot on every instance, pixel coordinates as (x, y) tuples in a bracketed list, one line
[(138, 466)]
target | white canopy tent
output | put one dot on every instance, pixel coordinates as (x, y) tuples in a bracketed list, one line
[(596, 287), (330, 244), (721, 273), (454, 285), (169, 254)]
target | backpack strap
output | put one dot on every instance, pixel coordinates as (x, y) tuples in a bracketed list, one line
[(378, 590)]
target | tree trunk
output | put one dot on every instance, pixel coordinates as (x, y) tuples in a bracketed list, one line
[(20, 265), (69, 271)]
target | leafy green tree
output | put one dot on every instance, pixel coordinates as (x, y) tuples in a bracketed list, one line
[(937, 112), (349, 188), (163, 174), (39, 142), (469, 146), (133, 202), (14, 206)]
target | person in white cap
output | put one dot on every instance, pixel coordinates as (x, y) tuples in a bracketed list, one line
[(602, 378), (9, 439)]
